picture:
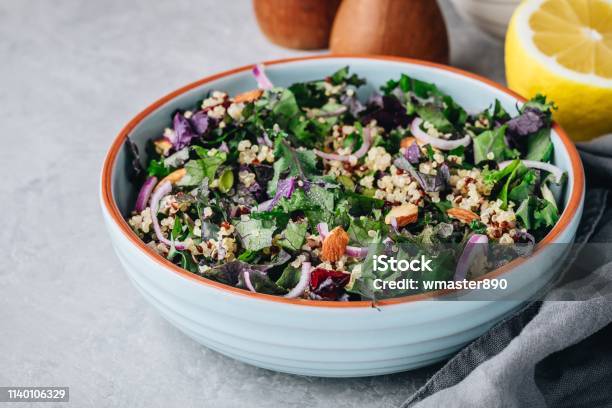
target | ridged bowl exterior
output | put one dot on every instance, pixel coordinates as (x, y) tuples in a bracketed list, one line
[(314, 340)]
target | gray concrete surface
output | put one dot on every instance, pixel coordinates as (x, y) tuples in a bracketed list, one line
[(71, 74)]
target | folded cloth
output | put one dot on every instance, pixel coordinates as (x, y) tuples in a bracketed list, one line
[(550, 353)]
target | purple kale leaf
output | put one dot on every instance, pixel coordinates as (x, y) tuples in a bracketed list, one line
[(201, 122), (284, 189), (527, 123), (429, 183), (413, 153), (183, 132), (389, 114), (236, 273), (136, 171)]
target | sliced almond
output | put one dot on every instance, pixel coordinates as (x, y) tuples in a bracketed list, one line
[(404, 214), (462, 214), (407, 141), (334, 245), (162, 145), (173, 177), (248, 96)]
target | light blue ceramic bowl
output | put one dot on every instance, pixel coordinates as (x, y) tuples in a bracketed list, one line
[(334, 339)]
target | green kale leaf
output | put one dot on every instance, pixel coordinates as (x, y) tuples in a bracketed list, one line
[(293, 236), (432, 114), (359, 231), (525, 188), (536, 213), (311, 131), (158, 169), (516, 174), (540, 103), (545, 215), (493, 177), (309, 94), (451, 110), (360, 204), (321, 197), (297, 202), (291, 162), (204, 167), (255, 234), (493, 141), (286, 107), (289, 278), (539, 146), (341, 76)]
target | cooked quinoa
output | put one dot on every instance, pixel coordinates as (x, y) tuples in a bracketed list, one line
[(285, 191)]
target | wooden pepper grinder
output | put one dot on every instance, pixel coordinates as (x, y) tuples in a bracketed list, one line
[(301, 24), (408, 28)]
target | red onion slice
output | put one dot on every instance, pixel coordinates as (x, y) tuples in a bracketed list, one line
[(323, 230), (260, 76), (331, 156), (247, 281), (415, 129), (394, 225), (352, 251), (267, 140), (365, 146), (533, 164), (163, 189), (330, 114), (145, 193), (357, 252), (224, 147), (303, 283), (476, 246)]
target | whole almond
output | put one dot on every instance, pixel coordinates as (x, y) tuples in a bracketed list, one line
[(462, 214), (334, 245), (248, 96), (404, 214), (162, 145)]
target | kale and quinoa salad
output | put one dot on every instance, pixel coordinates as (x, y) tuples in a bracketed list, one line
[(289, 191)]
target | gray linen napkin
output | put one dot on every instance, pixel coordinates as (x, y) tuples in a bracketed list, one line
[(551, 353)]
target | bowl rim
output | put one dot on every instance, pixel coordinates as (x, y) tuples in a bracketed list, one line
[(108, 202)]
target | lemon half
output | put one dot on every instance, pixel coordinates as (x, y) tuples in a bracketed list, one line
[(563, 48)]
